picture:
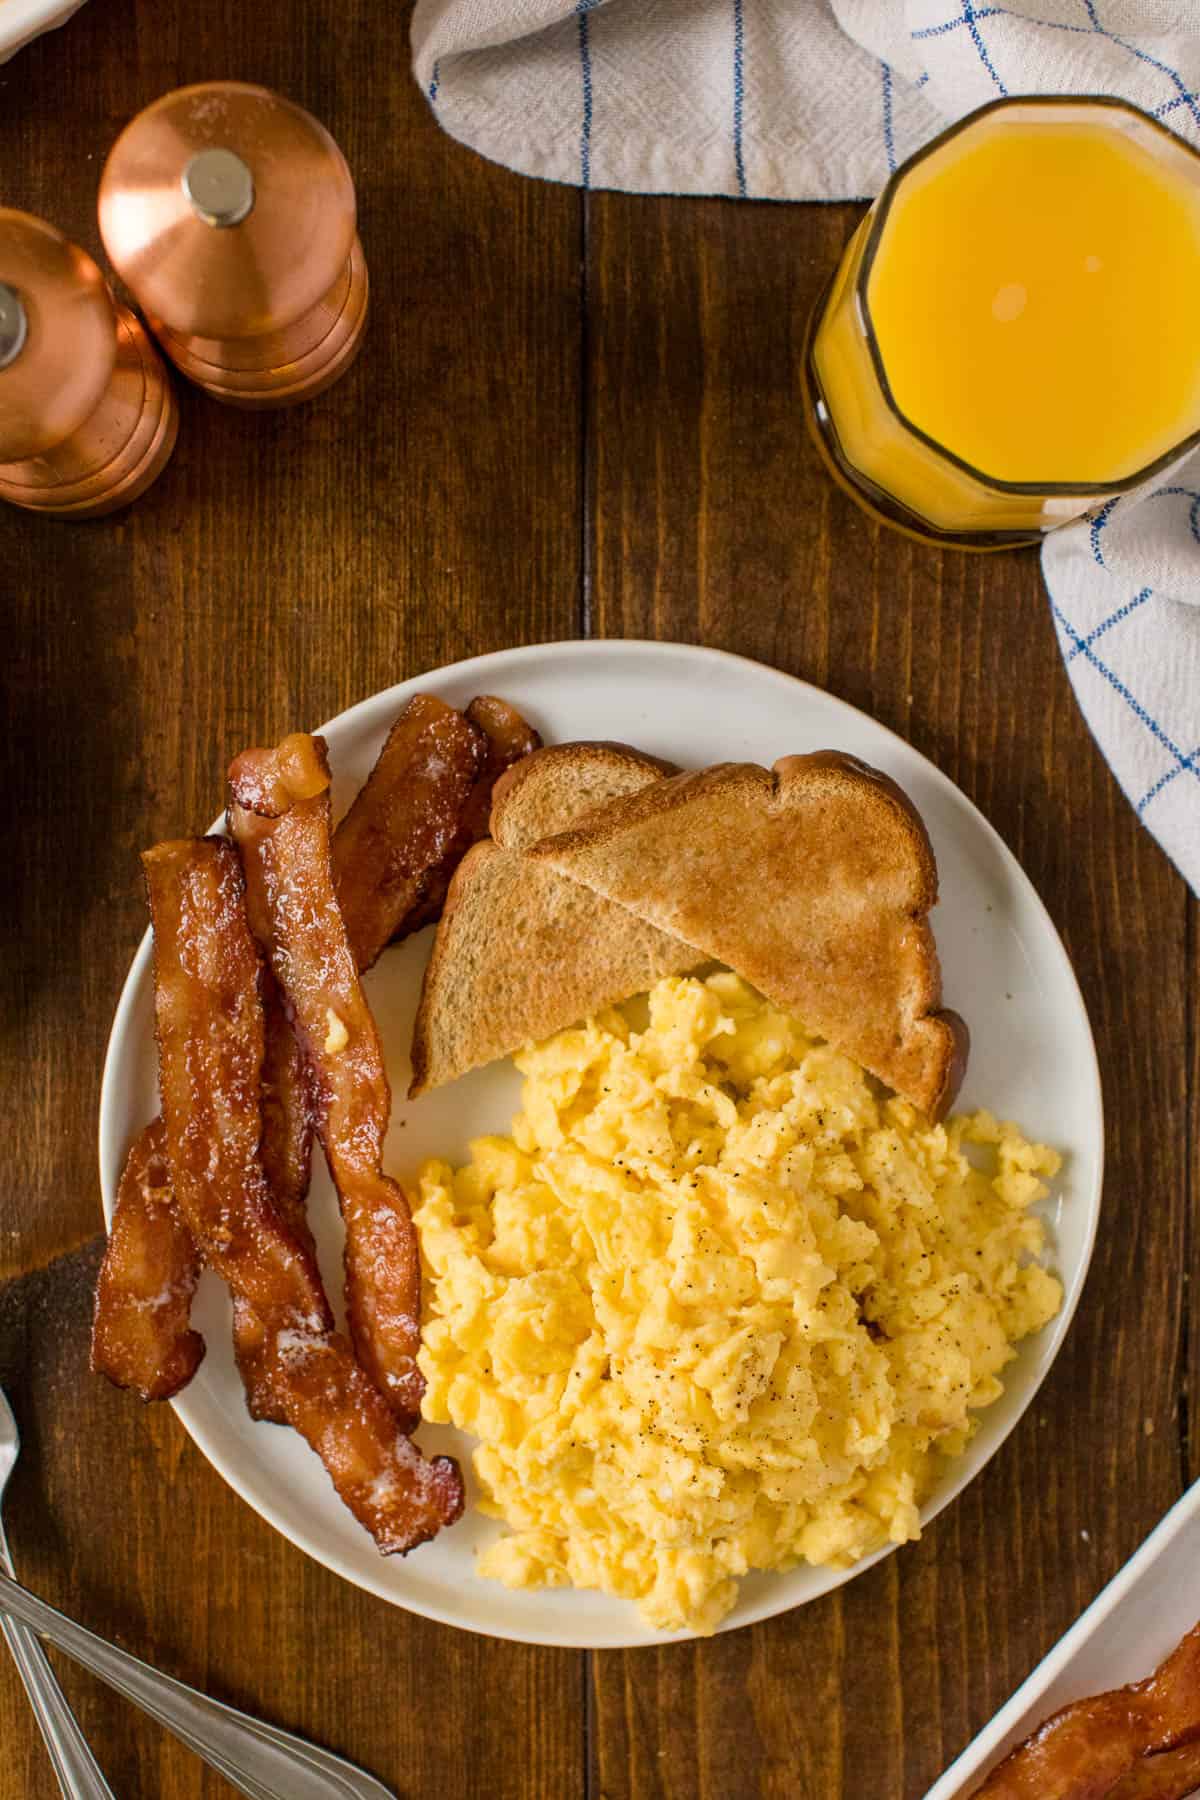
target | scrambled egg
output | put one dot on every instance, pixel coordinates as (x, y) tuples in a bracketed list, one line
[(716, 1305)]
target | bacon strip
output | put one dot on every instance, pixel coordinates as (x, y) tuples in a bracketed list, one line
[(141, 1338), (404, 821), (148, 1254), (1171, 1775), (288, 866), (1085, 1750), (209, 1018), (507, 738), (400, 1496), (211, 1045), (286, 1155)]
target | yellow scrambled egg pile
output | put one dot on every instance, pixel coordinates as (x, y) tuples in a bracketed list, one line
[(716, 1305)]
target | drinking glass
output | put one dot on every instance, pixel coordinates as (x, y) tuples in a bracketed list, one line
[(1040, 265)]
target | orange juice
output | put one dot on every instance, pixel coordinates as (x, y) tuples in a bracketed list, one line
[(1015, 329)]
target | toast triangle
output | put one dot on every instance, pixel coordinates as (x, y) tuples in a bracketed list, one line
[(561, 784), (813, 880), (521, 952)]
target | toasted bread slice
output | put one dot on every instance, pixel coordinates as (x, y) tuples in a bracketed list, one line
[(521, 952), (813, 880), (555, 789)]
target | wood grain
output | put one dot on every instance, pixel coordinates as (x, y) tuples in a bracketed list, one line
[(569, 416)]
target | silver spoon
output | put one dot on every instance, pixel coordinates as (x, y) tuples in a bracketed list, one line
[(259, 1760)]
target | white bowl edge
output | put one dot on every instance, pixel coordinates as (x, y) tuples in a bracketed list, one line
[(1021, 1714)]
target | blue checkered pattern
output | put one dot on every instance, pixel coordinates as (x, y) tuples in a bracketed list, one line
[(775, 99), (1003, 42), (1132, 648)]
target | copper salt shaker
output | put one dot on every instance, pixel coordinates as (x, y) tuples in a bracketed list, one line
[(230, 213), (87, 416)]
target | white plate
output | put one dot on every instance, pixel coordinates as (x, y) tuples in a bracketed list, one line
[(1129, 1628), (1005, 969), (23, 20)]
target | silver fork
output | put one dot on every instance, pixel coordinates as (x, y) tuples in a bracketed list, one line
[(77, 1770), (259, 1760)]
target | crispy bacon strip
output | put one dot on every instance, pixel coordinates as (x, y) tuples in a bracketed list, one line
[(153, 1249), (403, 822), (286, 1155), (141, 1338), (1171, 1775), (400, 1496), (211, 1044), (209, 1017), (508, 737), (286, 1148), (1085, 1750), (289, 878), (150, 1252), (293, 770)]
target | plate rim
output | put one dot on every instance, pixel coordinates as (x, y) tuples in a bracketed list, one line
[(649, 649)]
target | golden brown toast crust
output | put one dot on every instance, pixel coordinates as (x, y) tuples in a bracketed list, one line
[(550, 790), (521, 952), (813, 880)]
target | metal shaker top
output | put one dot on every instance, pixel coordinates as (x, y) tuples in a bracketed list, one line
[(219, 187), (228, 210), (58, 340), (14, 324)]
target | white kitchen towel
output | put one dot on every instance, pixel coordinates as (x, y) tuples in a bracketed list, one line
[(775, 99), (1125, 590), (820, 100)]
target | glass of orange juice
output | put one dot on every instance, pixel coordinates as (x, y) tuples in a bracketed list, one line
[(1013, 334)]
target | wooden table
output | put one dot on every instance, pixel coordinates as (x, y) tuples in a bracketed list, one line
[(574, 416)]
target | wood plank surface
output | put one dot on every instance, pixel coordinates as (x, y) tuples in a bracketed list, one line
[(570, 416)]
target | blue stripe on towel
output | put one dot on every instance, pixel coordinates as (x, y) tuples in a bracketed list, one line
[(1132, 702), (969, 18), (972, 14), (582, 8), (1165, 781), (739, 96), (1098, 523), (932, 31), (1083, 645), (889, 136), (1187, 98)]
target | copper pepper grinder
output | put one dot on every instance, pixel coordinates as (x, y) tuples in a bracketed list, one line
[(230, 213), (87, 416)]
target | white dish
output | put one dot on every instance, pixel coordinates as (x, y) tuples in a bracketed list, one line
[(23, 20), (1005, 969), (1129, 1628)]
